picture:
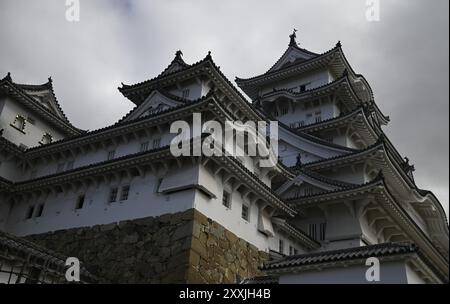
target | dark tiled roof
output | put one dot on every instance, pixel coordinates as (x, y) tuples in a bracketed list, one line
[(21, 248), (331, 85), (325, 179), (260, 280), (364, 252), (377, 180), (316, 139), (270, 72), (121, 123)]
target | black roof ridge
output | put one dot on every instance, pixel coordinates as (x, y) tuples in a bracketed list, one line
[(126, 87), (406, 247), (378, 179), (325, 179), (378, 143), (315, 139)]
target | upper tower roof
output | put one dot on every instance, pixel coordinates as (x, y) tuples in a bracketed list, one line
[(296, 61), (40, 98), (293, 54)]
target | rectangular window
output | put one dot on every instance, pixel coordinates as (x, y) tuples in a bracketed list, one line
[(292, 125), (111, 154), (291, 250), (318, 118), (284, 111), (156, 143), (144, 146), (29, 213), (158, 184), (113, 195), (245, 213), (70, 165), (308, 191), (281, 246), (275, 113), (226, 199), (295, 251), (312, 231), (80, 202), (301, 123), (60, 168), (322, 231), (186, 93), (40, 210), (125, 192)]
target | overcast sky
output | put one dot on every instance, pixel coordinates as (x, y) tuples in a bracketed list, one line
[(404, 56)]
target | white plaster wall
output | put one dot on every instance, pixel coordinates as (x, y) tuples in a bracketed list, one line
[(59, 212), (230, 218)]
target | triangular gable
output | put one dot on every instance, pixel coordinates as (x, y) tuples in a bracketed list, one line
[(177, 64), (44, 96), (173, 67), (292, 55), (154, 103), (304, 181)]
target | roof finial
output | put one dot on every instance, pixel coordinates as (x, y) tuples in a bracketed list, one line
[(50, 80), (178, 54), (293, 36), (8, 76)]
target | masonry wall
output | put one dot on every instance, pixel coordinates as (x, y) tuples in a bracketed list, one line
[(185, 247)]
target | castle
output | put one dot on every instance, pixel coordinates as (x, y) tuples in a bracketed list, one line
[(120, 201)]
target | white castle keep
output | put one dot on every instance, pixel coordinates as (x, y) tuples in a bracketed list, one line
[(339, 191)]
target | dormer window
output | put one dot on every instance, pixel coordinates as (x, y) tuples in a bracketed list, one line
[(46, 139), (19, 123)]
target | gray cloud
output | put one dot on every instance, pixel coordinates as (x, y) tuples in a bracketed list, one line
[(404, 56)]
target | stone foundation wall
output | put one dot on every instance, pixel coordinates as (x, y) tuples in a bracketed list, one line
[(184, 247)]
